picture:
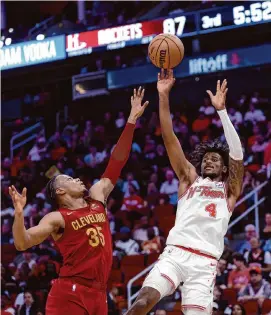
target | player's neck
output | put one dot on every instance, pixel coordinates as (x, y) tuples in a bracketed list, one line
[(73, 203), (214, 179)]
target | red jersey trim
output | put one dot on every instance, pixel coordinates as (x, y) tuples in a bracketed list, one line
[(182, 195), (168, 278), (202, 308), (64, 229), (195, 251), (226, 196)]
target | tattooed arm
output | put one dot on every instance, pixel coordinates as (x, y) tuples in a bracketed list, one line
[(235, 181)]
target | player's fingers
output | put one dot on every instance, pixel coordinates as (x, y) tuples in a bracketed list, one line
[(162, 73), (134, 92), (218, 85), (14, 190), (159, 76), (142, 93), (139, 91), (210, 94), (224, 85), (226, 91), (24, 192), (145, 104), (170, 73)]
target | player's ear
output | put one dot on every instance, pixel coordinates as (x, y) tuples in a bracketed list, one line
[(60, 191), (224, 169)]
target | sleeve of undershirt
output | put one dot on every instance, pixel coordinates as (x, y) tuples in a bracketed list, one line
[(232, 138)]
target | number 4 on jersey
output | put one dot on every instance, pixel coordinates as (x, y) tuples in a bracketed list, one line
[(211, 208)]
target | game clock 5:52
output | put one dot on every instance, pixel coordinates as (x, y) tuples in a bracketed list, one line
[(256, 12)]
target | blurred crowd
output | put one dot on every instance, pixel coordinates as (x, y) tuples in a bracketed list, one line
[(142, 206)]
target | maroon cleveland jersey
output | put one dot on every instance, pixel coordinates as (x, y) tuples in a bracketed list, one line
[(86, 243)]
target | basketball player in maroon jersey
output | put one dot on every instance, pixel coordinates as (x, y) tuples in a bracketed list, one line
[(80, 229)]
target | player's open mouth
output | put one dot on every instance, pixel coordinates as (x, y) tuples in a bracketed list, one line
[(209, 168)]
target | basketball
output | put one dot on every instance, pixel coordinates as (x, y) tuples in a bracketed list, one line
[(166, 51)]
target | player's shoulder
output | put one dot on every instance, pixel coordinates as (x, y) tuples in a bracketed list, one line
[(53, 217)]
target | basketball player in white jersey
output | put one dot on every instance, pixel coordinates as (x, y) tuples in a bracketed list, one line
[(207, 197)]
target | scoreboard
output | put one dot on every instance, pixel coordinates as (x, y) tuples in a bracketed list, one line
[(183, 25)]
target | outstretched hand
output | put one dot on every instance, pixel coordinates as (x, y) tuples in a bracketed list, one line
[(136, 102), (19, 200), (165, 81), (219, 99)]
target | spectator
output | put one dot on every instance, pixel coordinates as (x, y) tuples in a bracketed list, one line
[(27, 257), (112, 222), (6, 232), (125, 245), (254, 115), (207, 109), (133, 202), (201, 123), (112, 298), (152, 189), (129, 180), (257, 289), (259, 146), (29, 307), (141, 230), (235, 116), (238, 278), (58, 151), (237, 309), (120, 121), (149, 146), (160, 312), (6, 305), (161, 159), (221, 304), (266, 234), (227, 252), (38, 151), (154, 244), (258, 257), (222, 273), (19, 299), (250, 231), (170, 187), (94, 158)]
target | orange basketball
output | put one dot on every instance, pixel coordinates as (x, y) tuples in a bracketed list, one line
[(166, 51)]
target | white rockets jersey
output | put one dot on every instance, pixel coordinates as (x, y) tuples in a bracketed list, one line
[(202, 218)]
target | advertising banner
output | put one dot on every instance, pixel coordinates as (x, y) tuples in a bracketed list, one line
[(32, 53), (207, 63)]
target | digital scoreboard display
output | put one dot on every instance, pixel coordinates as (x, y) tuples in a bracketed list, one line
[(183, 25)]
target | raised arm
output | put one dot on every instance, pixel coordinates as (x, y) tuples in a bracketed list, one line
[(236, 164), (183, 168), (23, 238), (121, 152)]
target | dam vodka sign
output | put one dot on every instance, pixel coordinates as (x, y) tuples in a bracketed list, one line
[(32, 53)]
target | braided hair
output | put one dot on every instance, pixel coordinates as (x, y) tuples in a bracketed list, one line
[(51, 191), (201, 149)]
